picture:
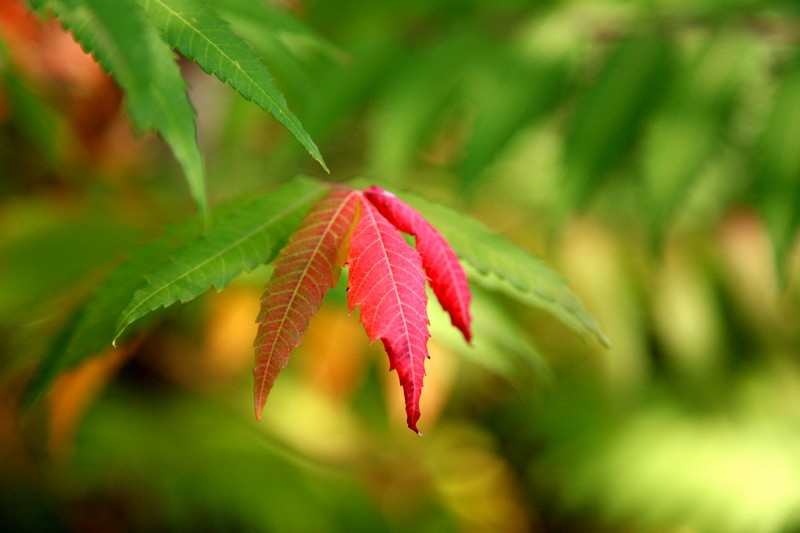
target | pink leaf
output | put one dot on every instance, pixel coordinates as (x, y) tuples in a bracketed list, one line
[(305, 269), (387, 282), (447, 277)]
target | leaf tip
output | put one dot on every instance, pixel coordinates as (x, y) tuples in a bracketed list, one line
[(465, 330), (318, 157), (605, 342), (117, 334), (258, 405), (413, 413)]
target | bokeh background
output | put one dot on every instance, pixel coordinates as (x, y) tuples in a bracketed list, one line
[(648, 151)]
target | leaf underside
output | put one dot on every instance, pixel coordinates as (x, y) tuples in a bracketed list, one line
[(305, 269), (387, 283), (445, 274), (143, 65), (196, 30)]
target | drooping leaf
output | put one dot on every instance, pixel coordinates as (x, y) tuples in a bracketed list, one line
[(37, 118), (196, 30), (609, 114), (498, 264), (248, 237), (305, 269), (509, 93), (46, 256), (446, 275), (118, 36), (777, 166), (404, 122), (687, 129), (339, 90), (387, 283), (91, 328)]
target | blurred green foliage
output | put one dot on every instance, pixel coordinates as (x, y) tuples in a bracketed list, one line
[(646, 149)]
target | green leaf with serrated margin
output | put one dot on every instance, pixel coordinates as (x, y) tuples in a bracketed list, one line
[(250, 236), (194, 29), (91, 328), (495, 263), (119, 37)]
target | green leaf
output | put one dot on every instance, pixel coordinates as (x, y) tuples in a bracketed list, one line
[(686, 131), (249, 236), (414, 104), (509, 93), (258, 21), (118, 36), (500, 343), (194, 29), (37, 118), (609, 114), (39, 7), (45, 257), (497, 264), (91, 328), (778, 168), (288, 47)]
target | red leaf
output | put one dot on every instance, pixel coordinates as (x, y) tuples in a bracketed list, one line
[(387, 282), (305, 269), (447, 277)]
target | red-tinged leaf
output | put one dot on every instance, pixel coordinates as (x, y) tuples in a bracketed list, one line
[(305, 269), (387, 283), (447, 277)]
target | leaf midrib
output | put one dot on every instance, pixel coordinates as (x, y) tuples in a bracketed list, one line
[(373, 214), (299, 283)]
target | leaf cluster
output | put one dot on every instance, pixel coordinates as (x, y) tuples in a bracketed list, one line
[(184, 264), (133, 41)]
